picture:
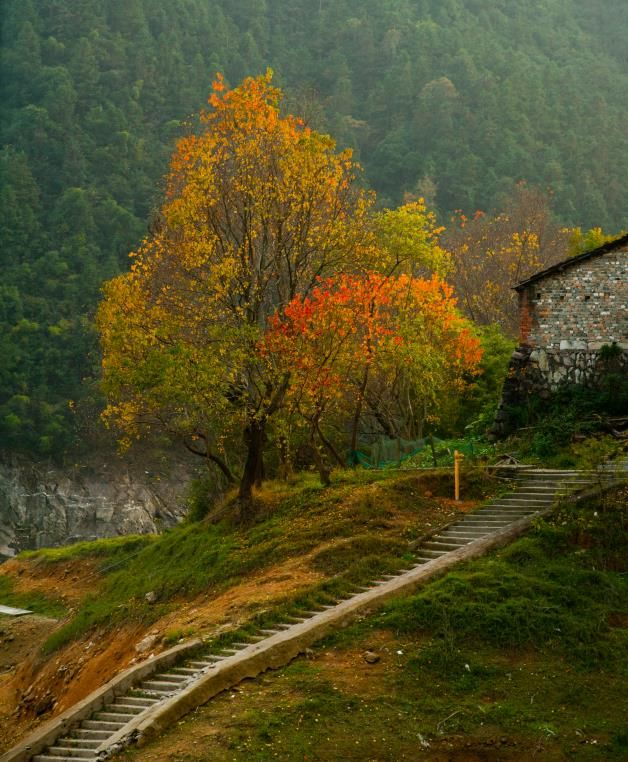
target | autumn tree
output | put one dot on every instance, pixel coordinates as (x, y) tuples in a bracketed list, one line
[(491, 253), (386, 348), (257, 208)]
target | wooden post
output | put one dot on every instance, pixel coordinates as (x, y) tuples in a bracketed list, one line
[(458, 456)]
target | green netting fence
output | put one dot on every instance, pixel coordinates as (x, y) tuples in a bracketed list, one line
[(393, 452)]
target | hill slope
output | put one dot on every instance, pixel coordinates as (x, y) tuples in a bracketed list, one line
[(208, 578), (453, 99), (516, 656)]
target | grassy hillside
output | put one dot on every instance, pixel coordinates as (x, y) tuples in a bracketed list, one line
[(520, 655), (347, 534), (210, 578)]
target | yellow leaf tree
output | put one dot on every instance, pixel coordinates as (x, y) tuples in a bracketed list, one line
[(257, 208)]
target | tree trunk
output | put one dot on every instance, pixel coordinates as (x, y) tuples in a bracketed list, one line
[(358, 410), (285, 467), (254, 437), (323, 471), (330, 447)]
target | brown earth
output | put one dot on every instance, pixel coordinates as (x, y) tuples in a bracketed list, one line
[(19, 638), (69, 581), (39, 689)]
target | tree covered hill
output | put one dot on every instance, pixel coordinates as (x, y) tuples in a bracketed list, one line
[(455, 100)]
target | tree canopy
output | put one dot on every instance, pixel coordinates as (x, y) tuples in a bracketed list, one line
[(451, 100), (264, 217)]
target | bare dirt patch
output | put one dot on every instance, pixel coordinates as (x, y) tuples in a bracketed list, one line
[(237, 604), (68, 581), (20, 638), (349, 670)]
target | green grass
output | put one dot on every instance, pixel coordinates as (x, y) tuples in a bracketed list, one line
[(108, 551), (357, 513), (523, 653), (33, 601)]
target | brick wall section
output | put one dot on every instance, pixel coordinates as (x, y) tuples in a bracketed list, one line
[(580, 308), (565, 318), (525, 318)]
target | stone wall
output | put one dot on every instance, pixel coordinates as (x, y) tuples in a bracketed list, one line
[(579, 308), (539, 372)]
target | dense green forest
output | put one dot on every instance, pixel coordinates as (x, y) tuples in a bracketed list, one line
[(455, 100)]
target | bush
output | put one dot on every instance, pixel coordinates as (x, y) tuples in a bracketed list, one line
[(200, 498)]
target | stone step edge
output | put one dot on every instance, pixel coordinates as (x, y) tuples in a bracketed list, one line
[(48, 733), (278, 650)]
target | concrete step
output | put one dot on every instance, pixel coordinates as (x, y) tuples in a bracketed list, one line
[(444, 545), (207, 662), (555, 482), (507, 513), (189, 671), (510, 515), (134, 701), (166, 677), (158, 687), (119, 717), (445, 538), (505, 507), (69, 751), (486, 521), (531, 494), (50, 758), (466, 530), (543, 487), (87, 735), (83, 743), (102, 725), (431, 554), (123, 709), (524, 500), (480, 516)]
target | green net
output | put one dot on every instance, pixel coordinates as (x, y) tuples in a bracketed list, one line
[(384, 451)]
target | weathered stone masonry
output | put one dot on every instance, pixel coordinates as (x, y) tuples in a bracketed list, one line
[(567, 314)]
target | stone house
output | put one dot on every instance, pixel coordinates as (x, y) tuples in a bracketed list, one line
[(567, 314)]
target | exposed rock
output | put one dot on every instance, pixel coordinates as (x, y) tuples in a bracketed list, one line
[(151, 597), (370, 657), (45, 506), (146, 644)]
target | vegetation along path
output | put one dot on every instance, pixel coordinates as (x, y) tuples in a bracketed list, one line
[(136, 708)]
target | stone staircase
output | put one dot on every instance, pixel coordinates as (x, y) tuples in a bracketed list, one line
[(124, 719)]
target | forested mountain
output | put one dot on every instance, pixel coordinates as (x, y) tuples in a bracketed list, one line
[(455, 100)]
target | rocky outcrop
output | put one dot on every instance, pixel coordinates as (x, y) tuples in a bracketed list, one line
[(44, 506)]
